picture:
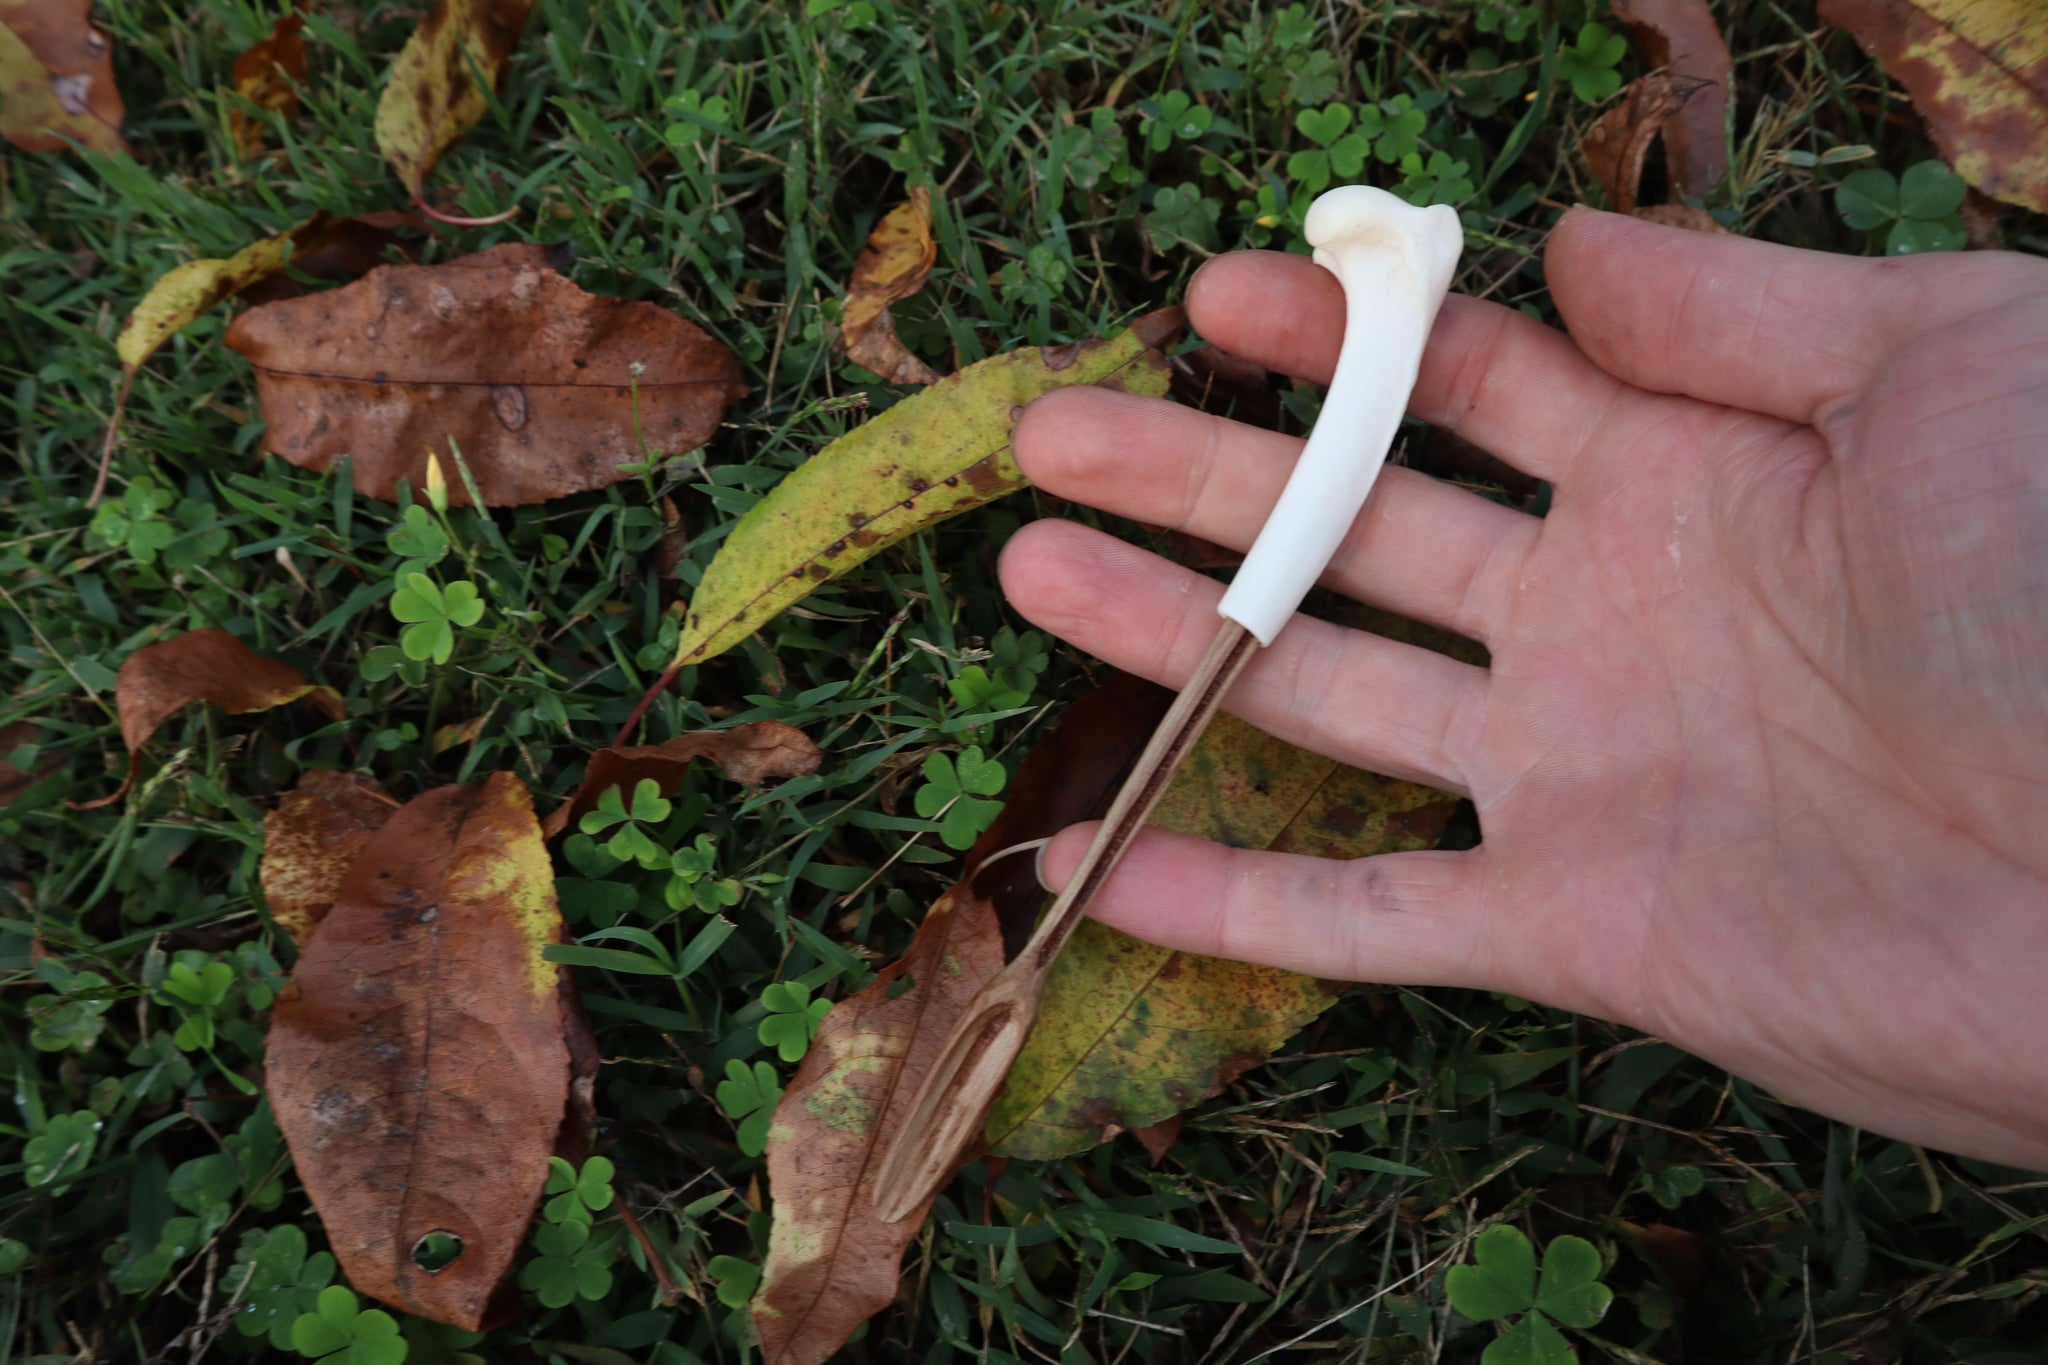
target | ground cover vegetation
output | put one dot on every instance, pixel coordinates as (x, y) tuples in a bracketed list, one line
[(816, 211)]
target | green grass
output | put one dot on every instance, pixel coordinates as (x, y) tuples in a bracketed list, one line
[(1731, 1227)]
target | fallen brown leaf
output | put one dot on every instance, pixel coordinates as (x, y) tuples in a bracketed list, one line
[(1616, 145), (763, 751), (893, 265), (1680, 37), (545, 390), (57, 78), (1215, 381), (417, 1059), (184, 292), (201, 665), (1680, 216), (268, 75), (311, 840), (349, 249), (831, 1263), (1977, 71)]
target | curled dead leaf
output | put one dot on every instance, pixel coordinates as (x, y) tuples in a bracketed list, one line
[(57, 78), (1618, 143), (311, 840), (894, 264), (1977, 70), (545, 390), (418, 1060), (269, 75), (1681, 39), (762, 751), (207, 665)]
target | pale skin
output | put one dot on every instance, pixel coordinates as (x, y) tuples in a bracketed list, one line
[(1761, 755)]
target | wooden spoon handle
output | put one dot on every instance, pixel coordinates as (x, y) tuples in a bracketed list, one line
[(955, 1094)]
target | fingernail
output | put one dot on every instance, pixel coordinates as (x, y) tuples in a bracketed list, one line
[(1038, 869)]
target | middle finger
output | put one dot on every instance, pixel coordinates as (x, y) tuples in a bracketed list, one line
[(1422, 548)]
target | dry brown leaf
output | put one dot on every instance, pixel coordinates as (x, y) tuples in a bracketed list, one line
[(544, 389), (831, 1263), (201, 665), (311, 840), (1158, 1138), (1618, 142), (268, 75), (1680, 216), (57, 78), (763, 751), (348, 249), (418, 1059), (1680, 37), (1977, 71), (894, 265)]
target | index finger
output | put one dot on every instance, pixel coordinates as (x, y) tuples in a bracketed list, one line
[(1496, 377)]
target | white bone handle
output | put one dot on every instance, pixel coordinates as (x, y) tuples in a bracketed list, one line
[(1395, 262)]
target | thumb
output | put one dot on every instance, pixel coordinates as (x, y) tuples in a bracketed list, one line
[(1414, 919)]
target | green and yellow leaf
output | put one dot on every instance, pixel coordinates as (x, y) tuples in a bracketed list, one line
[(1129, 1033), (934, 455), (433, 97)]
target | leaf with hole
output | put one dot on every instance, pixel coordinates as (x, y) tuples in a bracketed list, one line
[(420, 1060)]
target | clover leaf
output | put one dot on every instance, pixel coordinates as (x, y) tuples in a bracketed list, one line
[(1589, 63), (749, 1095), (1402, 126), (61, 1150), (1919, 208), (279, 1283), (1179, 214), (630, 843), (1502, 1280), (336, 1333), (954, 792), (73, 1018), (568, 1267), (691, 882), (579, 1195), (737, 1279), (417, 538), (1176, 116), (134, 522), (793, 1018), (435, 613)]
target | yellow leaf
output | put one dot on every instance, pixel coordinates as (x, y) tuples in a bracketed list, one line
[(934, 455), (433, 98), (57, 78), (1978, 73)]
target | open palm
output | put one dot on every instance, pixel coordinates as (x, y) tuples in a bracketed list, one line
[(1761, 755)]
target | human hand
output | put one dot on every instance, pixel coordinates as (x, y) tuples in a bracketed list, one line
[(1761, 756)]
